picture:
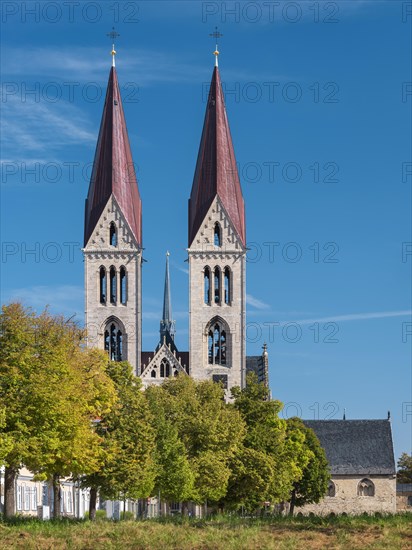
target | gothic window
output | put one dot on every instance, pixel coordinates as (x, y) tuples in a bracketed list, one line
[(113, 342), (227, 283), (206, 285), (366, 488), (331, 489), (175, 373), (217, 345), (113, 234), (123, 285), (102, 285), (113, 285), (217, 285), (164, 369), (217, 235), (153, 374)]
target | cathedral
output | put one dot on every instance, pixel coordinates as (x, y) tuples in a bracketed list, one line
[(216, 256)]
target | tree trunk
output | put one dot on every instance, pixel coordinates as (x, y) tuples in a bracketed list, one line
[(92, 504), (292, 502), (57, 497), (10, 475)]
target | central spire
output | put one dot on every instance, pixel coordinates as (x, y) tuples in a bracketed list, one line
[(167, 325)]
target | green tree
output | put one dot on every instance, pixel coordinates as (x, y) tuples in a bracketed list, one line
[(283, 456), (404, 468), (209, 430), (127, 469), (313, 483)]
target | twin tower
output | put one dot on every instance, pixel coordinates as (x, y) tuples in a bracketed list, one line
[(216, 255)]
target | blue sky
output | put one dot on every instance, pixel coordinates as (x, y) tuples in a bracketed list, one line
[(320, 111)]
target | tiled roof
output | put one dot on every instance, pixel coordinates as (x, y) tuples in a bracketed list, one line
[(113, 170), (357, 447), (216, 170)]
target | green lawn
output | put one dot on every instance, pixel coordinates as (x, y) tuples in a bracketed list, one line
[(221, 533)]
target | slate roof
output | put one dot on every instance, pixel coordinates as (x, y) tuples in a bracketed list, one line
[(216, 169), (113, 169), (356, 447)]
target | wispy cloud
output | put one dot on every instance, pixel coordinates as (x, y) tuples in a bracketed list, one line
[(255, 302), (353, 317), (64, 299)]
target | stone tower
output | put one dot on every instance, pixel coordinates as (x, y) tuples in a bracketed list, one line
[(217, 253), (113, 239)]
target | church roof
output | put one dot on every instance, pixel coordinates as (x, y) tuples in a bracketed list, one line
[(356, 447), (216, 170), (113, 170)]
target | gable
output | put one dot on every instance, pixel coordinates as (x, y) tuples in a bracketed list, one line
[(154, 360)]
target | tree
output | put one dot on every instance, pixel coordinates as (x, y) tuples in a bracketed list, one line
[(53, 388), (313, 483), (267, 436), (404, 468), (127, 469), (209, 430)]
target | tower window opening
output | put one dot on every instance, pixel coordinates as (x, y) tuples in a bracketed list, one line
[(366, 488), (113, 234), (227, 285), (102, 285), (206, 290), (113, 342), (113, 285), (217, 235), (217, 285), (123, 285), (217, 345)]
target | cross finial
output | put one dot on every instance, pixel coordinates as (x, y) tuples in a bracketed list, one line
[(113, 35), (216, 35)]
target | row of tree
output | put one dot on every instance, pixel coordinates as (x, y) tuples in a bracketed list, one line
[(65, 411)]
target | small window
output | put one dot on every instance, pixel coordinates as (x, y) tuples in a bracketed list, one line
[(220, 379), (366, 488), (113, 234), (331, 489), (217, 235), (123, 285), (227, 285), (409, 501), (206, 285), (102, 285), (153, 374), (113, 285), (164, 369), (217, 285)]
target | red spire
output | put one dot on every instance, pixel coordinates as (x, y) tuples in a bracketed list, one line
[(216, 170), (113, 169)]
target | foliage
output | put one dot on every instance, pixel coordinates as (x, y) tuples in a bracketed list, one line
[(313, 483), (404, 468)]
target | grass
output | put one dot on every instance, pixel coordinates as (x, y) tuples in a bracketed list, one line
[(219, 533)]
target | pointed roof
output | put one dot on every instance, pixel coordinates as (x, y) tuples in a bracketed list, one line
[(113, 169), (216, 170), (167, 325)]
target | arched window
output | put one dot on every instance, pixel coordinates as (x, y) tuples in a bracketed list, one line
[(175, 373), (153, 374), (217, 235), (331, 489), (217, 345), (123, 286), (102, 285), (216, 278), (113, 285), (164, 368), (113, 342), (206, 285), (366, 488), (113, 234), (227, 283)]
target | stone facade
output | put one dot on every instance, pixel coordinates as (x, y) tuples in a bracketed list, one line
[(225, 307), (347, 499), (124, 311)]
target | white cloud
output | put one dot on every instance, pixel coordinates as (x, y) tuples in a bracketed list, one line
[(255, 302)]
